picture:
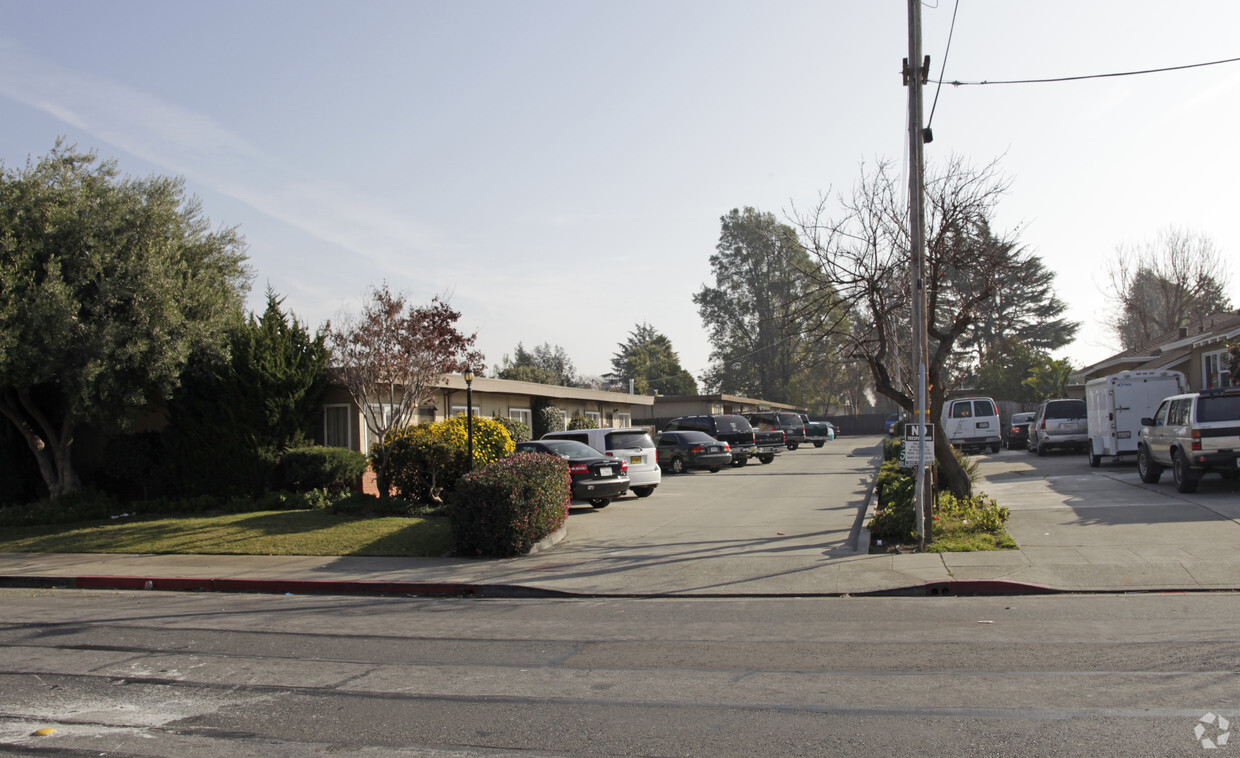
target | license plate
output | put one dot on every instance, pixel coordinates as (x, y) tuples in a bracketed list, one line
[(605, 471), (635, 459), (712, 449), (983, 424)]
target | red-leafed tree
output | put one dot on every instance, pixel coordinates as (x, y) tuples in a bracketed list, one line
[(392, 357)]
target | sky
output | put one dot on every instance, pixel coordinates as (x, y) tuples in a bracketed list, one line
[(557, 169)]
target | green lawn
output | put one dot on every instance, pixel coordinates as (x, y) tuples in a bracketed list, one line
[(309, 532)]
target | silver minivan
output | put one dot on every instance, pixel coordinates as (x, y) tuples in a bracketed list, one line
[(972, 422), (631, 444), (1061, 423)]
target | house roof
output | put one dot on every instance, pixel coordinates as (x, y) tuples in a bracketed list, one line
[(511, 387), (1171, 348)]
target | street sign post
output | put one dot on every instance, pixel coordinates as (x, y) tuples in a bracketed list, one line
[(914, 444)]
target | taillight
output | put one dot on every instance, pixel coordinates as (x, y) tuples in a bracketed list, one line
[(1196, 434), (624, 465), (578, 468), (1043, 424), (609, 454), (753, 438), (726, 447), (698, 449)]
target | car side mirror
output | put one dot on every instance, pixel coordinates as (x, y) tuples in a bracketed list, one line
[(1147, 422)]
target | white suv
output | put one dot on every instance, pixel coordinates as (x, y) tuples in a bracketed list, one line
[(633, 445), (1192, 434)]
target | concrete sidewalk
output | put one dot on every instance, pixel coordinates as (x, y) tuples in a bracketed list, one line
[(1080, 530)]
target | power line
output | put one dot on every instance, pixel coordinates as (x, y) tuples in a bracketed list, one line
[(948, 49), (958, 83)]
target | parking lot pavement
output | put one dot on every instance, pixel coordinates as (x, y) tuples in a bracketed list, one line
[(787, 528)]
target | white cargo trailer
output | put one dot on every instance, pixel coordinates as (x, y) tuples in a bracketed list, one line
[(1116, 404)]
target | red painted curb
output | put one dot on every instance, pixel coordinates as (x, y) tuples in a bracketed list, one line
[(279, 586)]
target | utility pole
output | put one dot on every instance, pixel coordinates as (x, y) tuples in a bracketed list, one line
[(916, 73)]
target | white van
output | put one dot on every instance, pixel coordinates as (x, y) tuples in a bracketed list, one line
[(633, 444), (972, 422)]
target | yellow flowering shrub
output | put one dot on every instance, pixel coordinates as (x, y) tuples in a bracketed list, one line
[(428, 459)]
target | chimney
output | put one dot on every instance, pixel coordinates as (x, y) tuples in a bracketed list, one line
[(1183, 332)]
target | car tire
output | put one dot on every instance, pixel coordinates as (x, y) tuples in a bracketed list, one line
[(642, 491), (739, 462), (714, 470), (996, 447), (1149, 471), (766, 458), (1185, 477), (677, 466), (1095, 460), (819, 444), (792, 447), (600, 502), (1040, 449)]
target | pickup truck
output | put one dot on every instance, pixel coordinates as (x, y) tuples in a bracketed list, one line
[(768, 443), (734, 430)]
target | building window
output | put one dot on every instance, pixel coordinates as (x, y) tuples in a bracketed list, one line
[(459, 410), (336, 426), (624, 420), (1215, 372), (596, 417), (523, 415)]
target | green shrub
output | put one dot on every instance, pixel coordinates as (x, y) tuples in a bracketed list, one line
[(895, 523), (304, 469), (894, 485), (980, 513), (428, 459), (518, 430), (582, 421), (506, 508), (131, 464), (547, 419), (892, 448), (79, 505)]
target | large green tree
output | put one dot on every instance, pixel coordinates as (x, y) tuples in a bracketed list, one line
[(647, 359), (545, 364), (107, 286), (762, 314), (1024, 308), (232, 417)]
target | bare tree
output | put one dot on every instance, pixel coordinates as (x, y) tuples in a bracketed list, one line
[(1160, 285), (863, 257), (392, 357)]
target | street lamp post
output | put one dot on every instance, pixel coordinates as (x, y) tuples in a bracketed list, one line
[(469, 413)]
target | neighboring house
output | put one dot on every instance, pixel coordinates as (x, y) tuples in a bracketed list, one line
[(1198, 350), (343, 425)]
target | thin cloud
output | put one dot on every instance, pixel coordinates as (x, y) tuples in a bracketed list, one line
[(207, 153)]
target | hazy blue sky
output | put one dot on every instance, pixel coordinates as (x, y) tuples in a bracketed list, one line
[(559, 167)]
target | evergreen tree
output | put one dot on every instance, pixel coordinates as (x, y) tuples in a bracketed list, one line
[(647, 359)]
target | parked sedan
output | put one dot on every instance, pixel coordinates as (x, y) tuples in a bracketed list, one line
[(681, 451), (597, 478), (1017, 431)]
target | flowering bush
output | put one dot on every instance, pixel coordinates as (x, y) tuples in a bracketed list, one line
[(428, 459), (505, 508)]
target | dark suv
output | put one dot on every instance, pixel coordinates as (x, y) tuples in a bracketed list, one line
[(791, 424), (734, 430)]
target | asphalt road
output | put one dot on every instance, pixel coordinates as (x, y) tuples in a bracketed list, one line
[(156, 674)]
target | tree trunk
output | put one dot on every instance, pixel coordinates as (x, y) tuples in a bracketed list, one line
[(955, 478), (53, 452)]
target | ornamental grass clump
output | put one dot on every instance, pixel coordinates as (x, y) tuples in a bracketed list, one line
[(503, 510)]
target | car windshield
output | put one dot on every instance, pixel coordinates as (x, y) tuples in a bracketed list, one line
[(628, 440), (1218, 408), (789, 419), (1021, 418), (563, 448)]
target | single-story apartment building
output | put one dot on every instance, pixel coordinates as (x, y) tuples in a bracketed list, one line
[(666, 408), (343, 425)]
